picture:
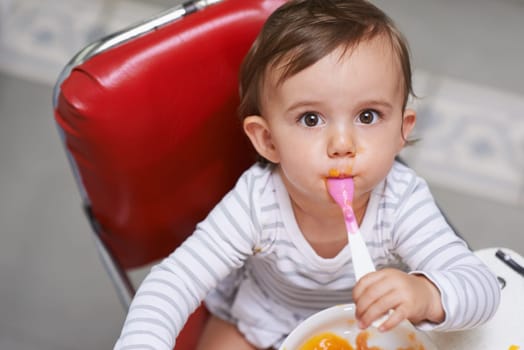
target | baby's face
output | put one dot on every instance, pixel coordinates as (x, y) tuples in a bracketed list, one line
[(343, 114)]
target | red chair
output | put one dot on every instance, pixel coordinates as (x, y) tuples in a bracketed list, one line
[(148, 119)]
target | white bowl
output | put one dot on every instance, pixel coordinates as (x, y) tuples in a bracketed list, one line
[(341, 321)]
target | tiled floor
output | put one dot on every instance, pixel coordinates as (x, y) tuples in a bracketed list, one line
[(54, 293)]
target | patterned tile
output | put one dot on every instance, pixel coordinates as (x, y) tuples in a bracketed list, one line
[(471, 138), (38, 37)]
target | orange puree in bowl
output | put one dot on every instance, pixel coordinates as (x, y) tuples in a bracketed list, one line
[(331, 341), (326, 341)]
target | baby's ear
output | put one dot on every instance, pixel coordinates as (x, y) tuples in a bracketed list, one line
[(408, 123), (257, 129)]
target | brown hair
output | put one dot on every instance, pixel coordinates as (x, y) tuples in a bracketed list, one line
[(301, 32)]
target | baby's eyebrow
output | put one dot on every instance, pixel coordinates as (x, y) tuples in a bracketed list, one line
[(381, 103), (303, 104)]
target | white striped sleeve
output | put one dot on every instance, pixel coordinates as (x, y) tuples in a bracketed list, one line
[(469, 290), (176, 287)]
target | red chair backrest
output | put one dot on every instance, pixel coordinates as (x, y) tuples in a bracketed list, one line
[(152, 129)]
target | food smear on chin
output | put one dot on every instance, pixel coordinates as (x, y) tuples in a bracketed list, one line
[(334, 173)]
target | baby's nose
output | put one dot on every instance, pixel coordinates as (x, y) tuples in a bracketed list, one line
[(341, 145)]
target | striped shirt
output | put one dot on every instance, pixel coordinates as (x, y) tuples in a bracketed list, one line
[(255, 267)]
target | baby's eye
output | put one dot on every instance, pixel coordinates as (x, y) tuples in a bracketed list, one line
[(369, 116), (310, 119)]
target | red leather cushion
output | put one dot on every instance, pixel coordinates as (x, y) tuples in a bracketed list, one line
[(152, 127), (188, 338)]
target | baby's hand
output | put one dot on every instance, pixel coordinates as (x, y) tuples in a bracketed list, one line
[(411, 297)]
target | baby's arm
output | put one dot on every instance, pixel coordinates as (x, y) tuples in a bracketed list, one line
[(174, 288), (469, 291), (448, 288)]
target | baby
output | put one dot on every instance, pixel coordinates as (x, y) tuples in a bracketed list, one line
[(323, 89)]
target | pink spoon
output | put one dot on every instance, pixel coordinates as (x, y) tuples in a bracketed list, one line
[(342, 189)]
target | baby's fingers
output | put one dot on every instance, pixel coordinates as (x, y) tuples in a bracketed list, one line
[(376, 310), (394, 318), (367, 283), (367, 291)]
